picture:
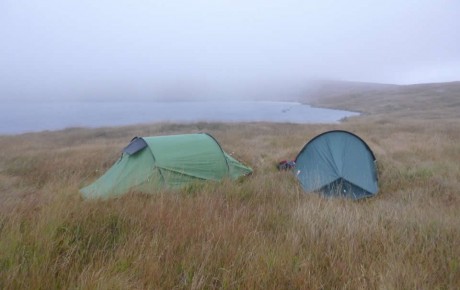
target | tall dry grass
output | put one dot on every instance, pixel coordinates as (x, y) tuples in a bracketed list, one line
[(261, 232)]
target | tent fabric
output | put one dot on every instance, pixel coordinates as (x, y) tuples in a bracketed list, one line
[(337, 163), (149, 163)]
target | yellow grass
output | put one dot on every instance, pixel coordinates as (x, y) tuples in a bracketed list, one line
[(260, 232)]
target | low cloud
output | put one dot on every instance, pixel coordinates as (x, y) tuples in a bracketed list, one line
[(219, 49)]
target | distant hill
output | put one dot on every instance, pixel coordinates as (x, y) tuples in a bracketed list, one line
[(427, 101)]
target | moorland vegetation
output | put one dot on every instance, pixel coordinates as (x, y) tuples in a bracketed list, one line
[(260, 232)]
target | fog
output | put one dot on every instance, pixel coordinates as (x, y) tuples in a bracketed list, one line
[(209, 49)]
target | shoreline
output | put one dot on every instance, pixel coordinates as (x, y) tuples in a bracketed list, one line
[(209, 112)]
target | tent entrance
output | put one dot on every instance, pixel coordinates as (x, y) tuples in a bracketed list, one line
[(344, 188)]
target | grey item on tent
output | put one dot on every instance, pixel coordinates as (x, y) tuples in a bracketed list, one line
[(337, 163), (135, 146)]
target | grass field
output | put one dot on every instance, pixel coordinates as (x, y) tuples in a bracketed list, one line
[(261, 232)]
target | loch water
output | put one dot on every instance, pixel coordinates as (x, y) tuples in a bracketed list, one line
[(22, 117)]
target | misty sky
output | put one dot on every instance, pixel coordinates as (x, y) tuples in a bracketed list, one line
[(84, 49)]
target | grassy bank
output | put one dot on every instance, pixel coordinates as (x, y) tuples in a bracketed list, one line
[(261, 232)]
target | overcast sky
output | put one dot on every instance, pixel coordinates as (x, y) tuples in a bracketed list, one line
[(72, 49)]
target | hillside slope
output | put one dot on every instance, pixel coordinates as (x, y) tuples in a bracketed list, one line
[(422, 101)]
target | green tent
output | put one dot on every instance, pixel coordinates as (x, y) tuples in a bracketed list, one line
[(337, 163), (166, 161)]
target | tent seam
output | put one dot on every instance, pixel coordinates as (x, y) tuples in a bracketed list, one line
[(155, 162), (221, 150)]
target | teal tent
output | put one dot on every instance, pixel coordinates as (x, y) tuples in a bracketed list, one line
[(337, 163), (149, 163)]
